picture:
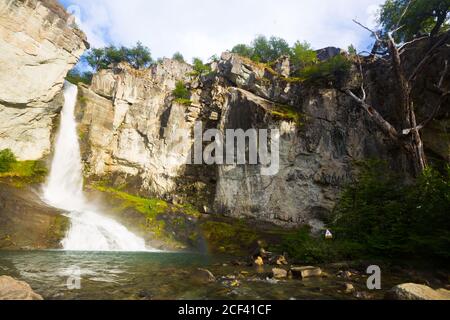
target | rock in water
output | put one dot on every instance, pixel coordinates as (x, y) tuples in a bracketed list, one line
[(259, 262), (203, 276), (412, 291), (11, 289), (306, 272), (279, 273)]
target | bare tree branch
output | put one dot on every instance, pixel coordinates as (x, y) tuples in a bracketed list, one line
[(425, 59), (374, 33), (384, 125)]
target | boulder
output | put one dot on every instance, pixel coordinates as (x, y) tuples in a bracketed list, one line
[(412, 291), (203, 276), (12, 289), (306, 272), (259, 262), (278, 273)]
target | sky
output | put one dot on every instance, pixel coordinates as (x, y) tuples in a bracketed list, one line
[(202, 28)]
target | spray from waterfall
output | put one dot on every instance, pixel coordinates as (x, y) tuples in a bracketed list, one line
[(90, 230)]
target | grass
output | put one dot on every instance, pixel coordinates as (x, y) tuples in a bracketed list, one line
[(150, 208), (25, 172), (286, 112), (183, 101)]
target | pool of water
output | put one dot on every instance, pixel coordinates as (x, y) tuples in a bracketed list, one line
[(135, 276)]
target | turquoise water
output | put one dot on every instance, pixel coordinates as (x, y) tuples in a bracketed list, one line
[(151, 276)]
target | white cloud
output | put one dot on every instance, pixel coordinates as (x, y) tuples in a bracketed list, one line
[(206, 27)]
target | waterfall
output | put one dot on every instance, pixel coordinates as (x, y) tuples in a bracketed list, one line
[(89, 230)]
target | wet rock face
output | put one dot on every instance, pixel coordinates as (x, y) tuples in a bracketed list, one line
[(39, 45)]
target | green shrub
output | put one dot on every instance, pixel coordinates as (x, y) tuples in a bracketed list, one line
[(392, 219), (178, 57), (7, 158), (181, 92), (302, 55), (331, 71), (75, 76), (200, 69)]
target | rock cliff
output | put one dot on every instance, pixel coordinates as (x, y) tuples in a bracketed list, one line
[(129, 119), (39, 44)]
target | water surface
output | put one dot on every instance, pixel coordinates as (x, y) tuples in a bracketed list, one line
[(137, 276)]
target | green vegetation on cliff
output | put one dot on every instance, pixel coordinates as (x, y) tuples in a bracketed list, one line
[(138, 56), (20, 172), (182, 94)]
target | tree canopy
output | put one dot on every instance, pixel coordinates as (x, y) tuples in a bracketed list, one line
[(415, 17), (138, 57), (178, 57), (263, 49)]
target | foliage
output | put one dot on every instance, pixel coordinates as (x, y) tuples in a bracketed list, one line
[(422, 17), (138, 56), (243, 50), (178, 57), (352, 50), (76, 76), (263, 49), (329, 71), (25, 172), (392, 219), (302, 55), (200, 68), (7, 159), (181, 92)]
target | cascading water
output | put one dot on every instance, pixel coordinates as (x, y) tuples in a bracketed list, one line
[(90, 230)]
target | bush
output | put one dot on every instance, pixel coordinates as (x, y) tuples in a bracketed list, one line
[(200, 69), (391, 219), (332, 71), (7, 158), (181, 93), (75, 76), (178, 57)]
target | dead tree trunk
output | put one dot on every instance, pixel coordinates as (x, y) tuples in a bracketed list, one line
[(409, 138)]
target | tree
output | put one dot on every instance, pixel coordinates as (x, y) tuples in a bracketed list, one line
[(265, 50), (139, 56), (96, 58), (7, 158), (415, 17), (302, 55), (408, 135), (178, 57), (199, 67), (243, 50)]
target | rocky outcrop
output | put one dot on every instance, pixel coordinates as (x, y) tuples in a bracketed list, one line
[(26, 222), (12, 289), (412, 291), (128, 124), (39, 44), (128, 120)]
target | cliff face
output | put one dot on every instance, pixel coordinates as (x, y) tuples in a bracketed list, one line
[(39, 45), (128, 119)]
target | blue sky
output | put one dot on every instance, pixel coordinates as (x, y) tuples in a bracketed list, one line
[(202, 28)]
